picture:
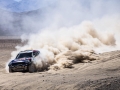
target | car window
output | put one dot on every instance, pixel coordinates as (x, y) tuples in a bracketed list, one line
[(17, 56), (23, 55), (35, 53)]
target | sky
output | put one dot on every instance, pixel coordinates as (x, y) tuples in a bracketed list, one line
[(28, 5), (24, 5)]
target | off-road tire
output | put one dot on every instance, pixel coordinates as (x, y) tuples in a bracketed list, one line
[(10, 70), (32, 68)]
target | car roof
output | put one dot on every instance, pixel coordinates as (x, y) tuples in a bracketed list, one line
[(28, 51)]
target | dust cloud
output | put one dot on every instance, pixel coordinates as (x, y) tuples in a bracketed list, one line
[(72, 33), (64, 47)]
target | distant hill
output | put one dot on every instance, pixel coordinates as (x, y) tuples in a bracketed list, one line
[(13, 23)]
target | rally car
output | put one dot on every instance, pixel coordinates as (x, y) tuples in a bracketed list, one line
[(24, 61)]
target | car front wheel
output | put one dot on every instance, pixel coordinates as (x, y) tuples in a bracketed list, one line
[(32, 68), (10, 70)]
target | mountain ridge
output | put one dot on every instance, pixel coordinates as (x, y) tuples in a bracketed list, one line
[(14, 21)]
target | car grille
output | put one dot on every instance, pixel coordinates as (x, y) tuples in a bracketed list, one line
[(19, 65)]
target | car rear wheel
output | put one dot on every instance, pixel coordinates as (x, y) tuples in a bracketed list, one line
[(32, 68)]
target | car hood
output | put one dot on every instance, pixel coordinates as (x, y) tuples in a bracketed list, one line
[(21, 60)]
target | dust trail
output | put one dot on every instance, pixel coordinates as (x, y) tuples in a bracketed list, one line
[(64, 47), (64, 37)]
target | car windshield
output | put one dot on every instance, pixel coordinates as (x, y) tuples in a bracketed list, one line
[(23, 55)]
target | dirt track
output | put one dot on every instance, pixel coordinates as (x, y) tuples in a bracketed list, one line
[(102, 74)]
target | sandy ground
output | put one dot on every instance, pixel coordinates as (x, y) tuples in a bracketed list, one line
[(101, 74)]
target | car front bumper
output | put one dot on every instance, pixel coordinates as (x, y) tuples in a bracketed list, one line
[(19, 67)]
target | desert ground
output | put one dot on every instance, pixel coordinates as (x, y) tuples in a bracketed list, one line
[(100, 74)]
